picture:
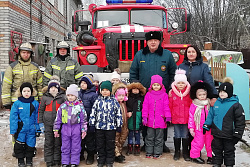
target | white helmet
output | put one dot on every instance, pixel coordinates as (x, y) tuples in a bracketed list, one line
[(62, 44), (26, 46)]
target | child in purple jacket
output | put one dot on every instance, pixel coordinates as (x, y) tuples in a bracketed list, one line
[(71, 119), (155, 115)]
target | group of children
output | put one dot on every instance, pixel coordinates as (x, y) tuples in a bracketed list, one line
[(78, 121)]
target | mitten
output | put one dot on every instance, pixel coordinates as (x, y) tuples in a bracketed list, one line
[(204, 131), (119, 129), (38, 133), (91, 129), (145, 121)]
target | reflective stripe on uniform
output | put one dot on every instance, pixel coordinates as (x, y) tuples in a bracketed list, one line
[(40, 80), (40, 93), (47, 75), (56, 67), (13, 99), (17, 72), (79, 75), (33, 72), (7, 80), (36, 98), (70, 67), (5, 96)]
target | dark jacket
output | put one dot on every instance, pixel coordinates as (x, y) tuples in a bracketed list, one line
[(196, 71), (147, 64), (88, 98), (48, 107), (226, 118)]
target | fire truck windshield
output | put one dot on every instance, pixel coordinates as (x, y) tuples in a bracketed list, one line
[(149, 18), (109, 18)]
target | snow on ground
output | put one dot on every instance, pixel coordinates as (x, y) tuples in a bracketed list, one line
[(6, 159)]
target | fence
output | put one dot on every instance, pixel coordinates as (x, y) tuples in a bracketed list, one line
[(218, 70)]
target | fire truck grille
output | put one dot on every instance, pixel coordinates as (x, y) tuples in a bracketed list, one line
[(128, 48)]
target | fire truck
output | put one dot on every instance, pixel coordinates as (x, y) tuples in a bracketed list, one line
[(117, 31)]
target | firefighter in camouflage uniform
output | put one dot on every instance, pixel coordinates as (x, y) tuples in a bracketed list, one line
[(64, 66), (18, 72)]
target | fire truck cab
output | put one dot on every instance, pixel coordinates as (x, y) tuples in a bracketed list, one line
[(117, 31)]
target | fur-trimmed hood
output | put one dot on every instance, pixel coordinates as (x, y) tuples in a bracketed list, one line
[(45, 89), (18, 93), (117, 86), (137, 85)]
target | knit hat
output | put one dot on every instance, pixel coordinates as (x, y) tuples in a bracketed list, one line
[(153, 35), (88, 79), (72, 90), (106, 85), (156, 79), (122, 91), (24, 85), (200, 85), (227, 86), (180, 76), (54, 81), (116, 74)]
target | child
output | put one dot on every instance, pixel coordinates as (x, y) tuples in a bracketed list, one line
[(106, 118), (227, 122), (179, 104), (136, 93), (116, 76), (23, 124), (71, 119), (198, 112), (88, 95), (120, 91), (155, 115), (52, 99)]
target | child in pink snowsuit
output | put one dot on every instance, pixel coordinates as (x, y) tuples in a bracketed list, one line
[(155, 114), (198, 113), (72, 120)]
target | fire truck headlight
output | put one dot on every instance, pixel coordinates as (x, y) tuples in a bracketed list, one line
[(176, 56), (91, 58), (83, 53), (174, 25), (182, 51)]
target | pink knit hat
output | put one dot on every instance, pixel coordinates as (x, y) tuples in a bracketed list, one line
[(180, 76), (122, 91), (156, 79), (72, 90)]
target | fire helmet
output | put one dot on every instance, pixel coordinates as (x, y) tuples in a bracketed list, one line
[(26, 46), (63, 44)]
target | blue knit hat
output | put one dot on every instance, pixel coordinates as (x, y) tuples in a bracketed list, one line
[(88, 79)]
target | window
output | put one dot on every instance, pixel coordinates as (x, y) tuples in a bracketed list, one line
[(52, 2), (60, 6)]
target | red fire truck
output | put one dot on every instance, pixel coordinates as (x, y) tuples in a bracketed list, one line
[(118, 30)]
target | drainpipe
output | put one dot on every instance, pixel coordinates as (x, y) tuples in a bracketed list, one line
[(30, 19)]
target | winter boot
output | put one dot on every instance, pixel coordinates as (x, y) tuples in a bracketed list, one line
[(177, 145), (185, 151), (198, 160), (21, 162), (137, 150), (165, 148), (209, 160), (29, 162), (130, 149), (90, 158)]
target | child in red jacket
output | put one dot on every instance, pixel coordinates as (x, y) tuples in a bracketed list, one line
[(179, 104)]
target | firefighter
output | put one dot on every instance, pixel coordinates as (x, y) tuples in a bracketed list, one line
[(64, 66), (18, 72), (153, 60)]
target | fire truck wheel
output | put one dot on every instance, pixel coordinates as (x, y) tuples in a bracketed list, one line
[(85, 38)]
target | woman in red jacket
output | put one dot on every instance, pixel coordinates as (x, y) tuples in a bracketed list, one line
[(179, 104)]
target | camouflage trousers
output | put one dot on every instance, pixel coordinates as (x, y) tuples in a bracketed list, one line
[(120, 139)]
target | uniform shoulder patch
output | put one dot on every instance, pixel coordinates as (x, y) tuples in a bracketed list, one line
[(35, 64), (12, 65), (53, 60)]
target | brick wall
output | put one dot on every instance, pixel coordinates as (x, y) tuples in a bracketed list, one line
[(35, 21)]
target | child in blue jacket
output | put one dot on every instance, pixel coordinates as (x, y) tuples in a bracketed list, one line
[(23, 124)]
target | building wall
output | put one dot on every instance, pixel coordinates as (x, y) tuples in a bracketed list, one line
[(35, 20)]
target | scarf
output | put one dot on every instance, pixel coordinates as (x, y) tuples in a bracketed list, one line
[(180, 94), (197, 115)]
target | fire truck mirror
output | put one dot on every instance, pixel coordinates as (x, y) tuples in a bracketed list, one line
[(75, 23), (184, 22), (84, 25)]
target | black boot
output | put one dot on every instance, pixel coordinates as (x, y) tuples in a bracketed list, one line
[(198, 160), (185, 151), (137, 149), (177, 146), (165, 148), (21, 162), (90, 158), (130, 149), (209, 160), (29, 162), (217, 165)]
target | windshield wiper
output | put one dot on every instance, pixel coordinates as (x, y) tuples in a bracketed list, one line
[(141, 24), (118, 24)]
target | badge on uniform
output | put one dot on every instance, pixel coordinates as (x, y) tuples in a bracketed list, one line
[(163, 68)]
